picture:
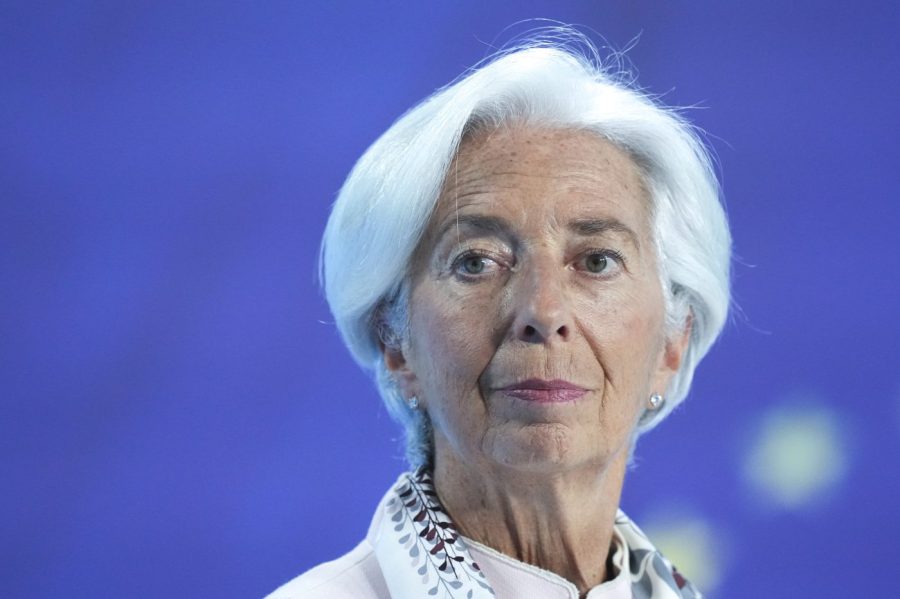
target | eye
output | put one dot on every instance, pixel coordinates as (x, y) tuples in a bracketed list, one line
[(596, 262), (474, 264), (601, 262)]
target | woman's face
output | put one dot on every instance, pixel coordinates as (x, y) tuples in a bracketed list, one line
[(536, 314)]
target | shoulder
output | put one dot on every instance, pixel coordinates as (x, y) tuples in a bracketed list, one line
[(355, 575)]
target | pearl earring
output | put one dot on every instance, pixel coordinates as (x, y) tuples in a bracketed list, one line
[(413, 403), (656, 400)]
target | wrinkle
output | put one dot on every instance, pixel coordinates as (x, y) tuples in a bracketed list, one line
[(540, 483)]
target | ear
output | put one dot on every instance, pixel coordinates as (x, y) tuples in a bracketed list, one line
[(672, 355), (396, 364)]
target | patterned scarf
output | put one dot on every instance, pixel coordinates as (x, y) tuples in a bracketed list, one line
[(417, 538)]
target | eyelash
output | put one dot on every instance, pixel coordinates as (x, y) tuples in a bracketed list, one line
[(456, 266), (606, 253), (459, 260)]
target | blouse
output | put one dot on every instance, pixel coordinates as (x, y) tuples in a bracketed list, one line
[(413, 550)]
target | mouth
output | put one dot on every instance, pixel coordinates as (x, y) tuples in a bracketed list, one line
[(541, 391)]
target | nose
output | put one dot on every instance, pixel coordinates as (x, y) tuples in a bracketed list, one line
[(542, 314)]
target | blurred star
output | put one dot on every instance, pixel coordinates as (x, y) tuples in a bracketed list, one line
[(797, 456), (691, 543)]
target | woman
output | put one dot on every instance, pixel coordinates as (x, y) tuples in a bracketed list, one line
[(533, 261)]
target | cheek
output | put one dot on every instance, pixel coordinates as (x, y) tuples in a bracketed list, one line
[(622, 335), (452, 342), (624, 331)]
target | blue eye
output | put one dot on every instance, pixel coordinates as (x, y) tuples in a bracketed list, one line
[(472, 265), (475, 263), (601, 261), (595, 263)]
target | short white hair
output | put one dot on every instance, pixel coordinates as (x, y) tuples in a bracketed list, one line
[(385, 204)]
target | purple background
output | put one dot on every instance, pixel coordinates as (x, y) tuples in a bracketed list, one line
[(179, 417)]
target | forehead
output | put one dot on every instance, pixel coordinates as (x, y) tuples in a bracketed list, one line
[(532, 176)]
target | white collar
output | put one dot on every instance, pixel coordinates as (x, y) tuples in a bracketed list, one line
[(508, 575)]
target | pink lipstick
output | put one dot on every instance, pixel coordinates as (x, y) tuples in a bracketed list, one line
[(541, 391)]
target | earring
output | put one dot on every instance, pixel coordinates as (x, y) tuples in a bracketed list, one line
[(656, 400), (413, 403)]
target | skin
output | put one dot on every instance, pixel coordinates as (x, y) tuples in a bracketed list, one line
[(531, 294)]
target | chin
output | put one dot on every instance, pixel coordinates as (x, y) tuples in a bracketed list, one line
[(544, 447)]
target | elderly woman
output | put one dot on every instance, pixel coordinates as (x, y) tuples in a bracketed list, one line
[(533, 261)]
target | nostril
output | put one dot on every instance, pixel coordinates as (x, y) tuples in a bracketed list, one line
[(529, 331), (563, 331)]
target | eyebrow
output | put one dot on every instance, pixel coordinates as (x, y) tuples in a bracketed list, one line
[(492, 225), (597, 226)]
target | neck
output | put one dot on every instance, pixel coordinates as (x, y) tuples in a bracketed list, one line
[(561, 521)]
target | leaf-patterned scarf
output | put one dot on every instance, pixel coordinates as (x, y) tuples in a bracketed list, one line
[(421, 548)]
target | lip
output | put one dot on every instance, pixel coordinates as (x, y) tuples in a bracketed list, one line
[(541, 391)]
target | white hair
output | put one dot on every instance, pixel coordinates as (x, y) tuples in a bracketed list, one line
[(384, 206)]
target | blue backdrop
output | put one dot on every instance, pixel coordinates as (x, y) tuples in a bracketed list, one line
[(179, 417)]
